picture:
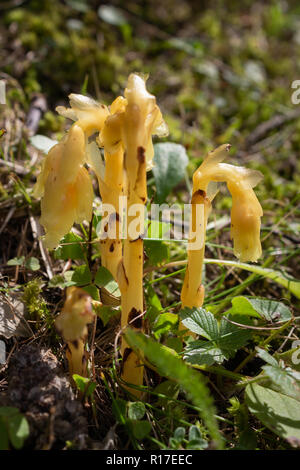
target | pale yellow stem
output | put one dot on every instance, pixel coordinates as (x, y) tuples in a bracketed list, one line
[(76, 358), (111, 190)]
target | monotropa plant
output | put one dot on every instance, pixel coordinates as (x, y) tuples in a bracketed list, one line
[(246, 213), (124, 132)]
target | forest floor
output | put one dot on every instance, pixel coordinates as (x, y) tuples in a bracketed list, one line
[(222, 72)]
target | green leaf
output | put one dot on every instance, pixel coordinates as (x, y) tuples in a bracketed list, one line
[(119, 410), (13, 425), (32, 263), (170, 163), (231, 337), (286, 381), (136, 410), (223, 340), (179, 434), (42, 143), (106, 312), (112, 15), (157, 229), (93, 291), (270, 310), (293, 285), (8, 411), (201, 322), (265, 356), (4, 441), (18, 430), (19, 261), (81, 275), (140, 429), (174, 343), (194, 433), (278, 412), (165, 322), (105, 279), (154, 306), (59, 281), (157, 251), (84, 385), (170, 365), (169, 389), (71, 247)]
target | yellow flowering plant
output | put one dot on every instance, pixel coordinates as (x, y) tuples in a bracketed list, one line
[(115, 142)]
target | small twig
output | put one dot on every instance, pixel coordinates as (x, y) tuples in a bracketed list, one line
[(7, 218), (37, 233), (248, 327)]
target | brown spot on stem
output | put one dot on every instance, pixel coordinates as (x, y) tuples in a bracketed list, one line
[(135, 318), (141, 155), (126, 355), (199, 193), (111, 248), (122, 267), (75, 343), (105, 228)]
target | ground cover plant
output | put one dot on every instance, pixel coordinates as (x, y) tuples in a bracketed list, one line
[(146, 341)]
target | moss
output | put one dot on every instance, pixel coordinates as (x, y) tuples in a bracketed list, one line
[(36, 305)]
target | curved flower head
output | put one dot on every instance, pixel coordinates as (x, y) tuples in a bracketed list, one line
[(77, 312), (145, 116), (65, 187), (88, 113), (246, 210), (245, 222)]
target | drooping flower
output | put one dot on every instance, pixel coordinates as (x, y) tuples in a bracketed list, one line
[(88, 113), (142, 107), (245, 222), (65, 187), (246, 210), (72, 323)]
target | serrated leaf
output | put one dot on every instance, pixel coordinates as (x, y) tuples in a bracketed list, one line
[(270, 310), (170, 163), (203, 353), (170, 365), (200, 321), (223, 341), (231, 337), (278, 412)]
